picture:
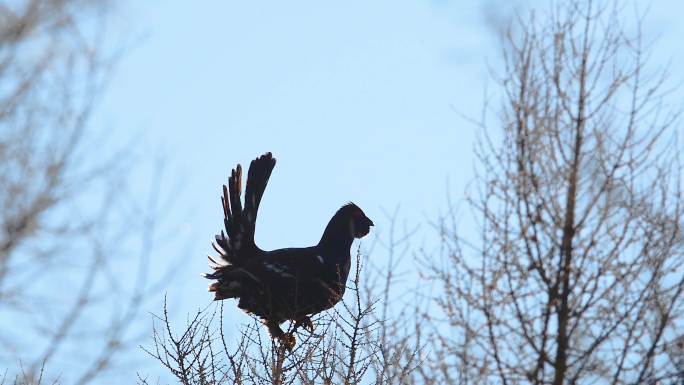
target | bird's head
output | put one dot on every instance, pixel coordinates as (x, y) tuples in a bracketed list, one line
[(359, 223)]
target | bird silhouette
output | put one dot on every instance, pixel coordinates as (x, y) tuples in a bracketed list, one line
[(289, 284)]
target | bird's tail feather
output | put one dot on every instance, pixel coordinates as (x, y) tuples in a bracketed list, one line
[(229, 282), (257, 178), (237, 242), (228, 244)]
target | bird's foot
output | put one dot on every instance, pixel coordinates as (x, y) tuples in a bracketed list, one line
[(305, 322), (286, 339)]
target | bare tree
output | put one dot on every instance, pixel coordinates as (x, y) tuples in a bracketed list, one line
[(356, 342), (68, 226), (578, 273), (396, 290), (340, 349)]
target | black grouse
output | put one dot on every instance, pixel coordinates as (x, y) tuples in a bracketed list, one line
[(285, 284)]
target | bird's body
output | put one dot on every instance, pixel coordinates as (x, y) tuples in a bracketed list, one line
[(297, 284), (283, 284)]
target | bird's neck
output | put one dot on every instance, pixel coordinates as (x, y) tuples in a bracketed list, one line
[(337, 238)]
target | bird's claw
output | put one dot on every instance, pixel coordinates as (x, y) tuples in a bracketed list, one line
[(288, 340), (306, 323)]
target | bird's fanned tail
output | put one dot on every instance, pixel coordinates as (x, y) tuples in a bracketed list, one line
[(237, 243)]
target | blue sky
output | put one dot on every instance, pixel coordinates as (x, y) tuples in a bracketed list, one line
[(359, 101)]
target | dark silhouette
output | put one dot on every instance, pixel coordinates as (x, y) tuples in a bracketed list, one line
[(284, 284)]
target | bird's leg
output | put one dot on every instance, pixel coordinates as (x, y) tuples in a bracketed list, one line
[(287, 339), (274, 330), (304, 321)]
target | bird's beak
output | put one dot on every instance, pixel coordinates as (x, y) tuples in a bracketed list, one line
[(370, 223)]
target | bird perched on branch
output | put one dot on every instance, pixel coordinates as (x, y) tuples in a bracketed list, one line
[(288, 284)]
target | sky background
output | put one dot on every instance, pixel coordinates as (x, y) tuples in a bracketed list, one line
[(358, 101)]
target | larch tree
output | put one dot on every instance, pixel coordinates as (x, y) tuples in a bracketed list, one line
[(578, 272)]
